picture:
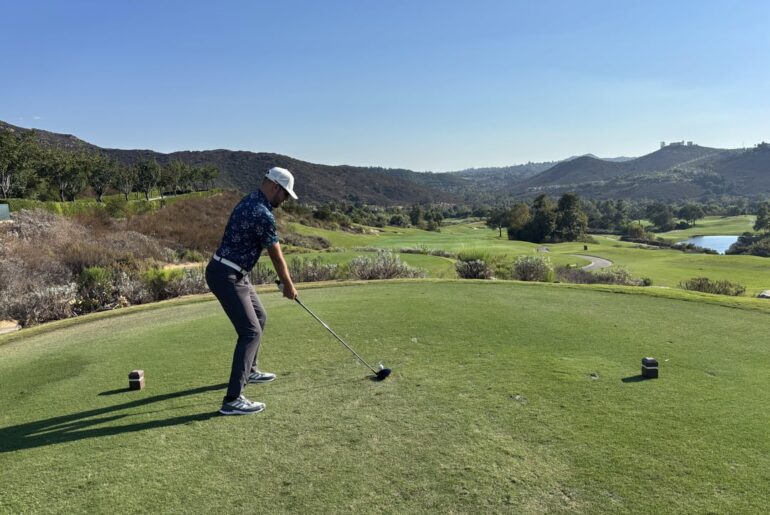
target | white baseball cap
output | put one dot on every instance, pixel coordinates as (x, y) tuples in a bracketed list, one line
[(284, 178)]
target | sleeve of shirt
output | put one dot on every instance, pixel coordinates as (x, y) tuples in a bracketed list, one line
[(269, 234)]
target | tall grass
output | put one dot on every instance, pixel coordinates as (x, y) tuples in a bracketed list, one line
[(194, 223)]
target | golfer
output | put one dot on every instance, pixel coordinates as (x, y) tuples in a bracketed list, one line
[(250, 230)]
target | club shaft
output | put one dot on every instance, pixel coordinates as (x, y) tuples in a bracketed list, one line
[(335, 335)]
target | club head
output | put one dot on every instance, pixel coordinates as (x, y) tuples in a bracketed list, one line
[(381, 374)]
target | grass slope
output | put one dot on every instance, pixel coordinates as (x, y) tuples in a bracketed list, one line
[(505, 397), (670, 267), (714, 226)]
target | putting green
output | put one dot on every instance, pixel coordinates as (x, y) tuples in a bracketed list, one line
[(504, 397)]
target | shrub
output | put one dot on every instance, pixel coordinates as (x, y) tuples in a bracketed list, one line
[(474, 269), (262, 274), (190, 282), (612, 275), (159, 282), (475, 264), (423, 249), (691, 248), (705, 285), (760, 248), (53, 267), (474, 255), (191, 255), (38, 305), (634, 231), (385, 265), (533, 268), (309, 270), (130, 288), (96, 291)]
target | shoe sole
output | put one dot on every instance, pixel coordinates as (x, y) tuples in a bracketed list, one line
[(262, 381), (240, 412)]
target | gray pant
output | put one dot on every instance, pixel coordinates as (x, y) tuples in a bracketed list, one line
[(239, 300)]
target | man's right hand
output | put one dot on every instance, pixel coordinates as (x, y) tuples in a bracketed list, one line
[(279, 263), (289, 291)]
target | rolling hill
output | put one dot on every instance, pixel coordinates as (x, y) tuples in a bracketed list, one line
[(674, 172), (671, 173), (315, 182)]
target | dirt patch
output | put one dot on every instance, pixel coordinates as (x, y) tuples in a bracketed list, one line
[(8, 326)]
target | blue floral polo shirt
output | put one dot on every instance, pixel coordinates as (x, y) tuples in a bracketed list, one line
[(251, 229)]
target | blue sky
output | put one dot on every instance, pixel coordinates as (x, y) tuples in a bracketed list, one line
[(424, 85)]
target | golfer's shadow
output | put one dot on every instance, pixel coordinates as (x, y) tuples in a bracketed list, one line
[(78, 426)]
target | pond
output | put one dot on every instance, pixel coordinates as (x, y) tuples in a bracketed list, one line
[(718, 243)]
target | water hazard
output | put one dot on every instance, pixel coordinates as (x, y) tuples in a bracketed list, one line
[(718, 243)]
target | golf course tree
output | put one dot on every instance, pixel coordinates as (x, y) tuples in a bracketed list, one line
[(398, 220), (763, 217), (543, 221), (67, 171), (18, 153), (517, 220), (620, 215), (571, 222), (190, 178), (497, 219), (100, 173), (415, 215), (661, 215), (546, 221), (148, 174), (433, 219), (609, 215), (207, 174), (690, 213), (124, 179), (173, 175)]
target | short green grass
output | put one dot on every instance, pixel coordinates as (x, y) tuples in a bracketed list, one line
[(714, 226), (670, 267), (505, 398), (666, 268)]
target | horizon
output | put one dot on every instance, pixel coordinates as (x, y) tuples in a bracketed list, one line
[(555, 161), (429, 87)]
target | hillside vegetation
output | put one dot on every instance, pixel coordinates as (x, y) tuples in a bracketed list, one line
[(675, 172)]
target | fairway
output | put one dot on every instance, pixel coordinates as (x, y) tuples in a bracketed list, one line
[(714, 225), (665, 267), (505, 398)]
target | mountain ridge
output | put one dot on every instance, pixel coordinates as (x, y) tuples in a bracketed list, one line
[(673, 172)]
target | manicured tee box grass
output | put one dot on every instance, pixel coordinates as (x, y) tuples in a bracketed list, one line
[(505, 398)]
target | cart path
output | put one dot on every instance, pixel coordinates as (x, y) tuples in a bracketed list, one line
[(597, 263)]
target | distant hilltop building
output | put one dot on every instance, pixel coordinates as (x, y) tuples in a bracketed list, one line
[(676, 144)]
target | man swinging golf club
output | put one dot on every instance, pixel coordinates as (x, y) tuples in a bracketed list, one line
[(251, 229)]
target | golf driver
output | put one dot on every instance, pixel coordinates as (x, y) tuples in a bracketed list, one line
[(379, 375)]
